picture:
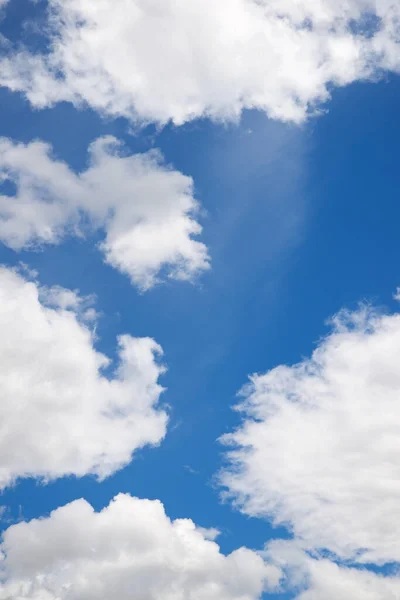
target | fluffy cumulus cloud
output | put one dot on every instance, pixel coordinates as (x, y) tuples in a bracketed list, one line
[(180, 59), (59, 413), (316, 578), (319, 445), (146, 209), (130, 550)]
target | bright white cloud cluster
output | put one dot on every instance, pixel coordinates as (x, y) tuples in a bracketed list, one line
[(319, 445), (319, 578), (131, 551), (59, 414), (145, 208), (180, 59)]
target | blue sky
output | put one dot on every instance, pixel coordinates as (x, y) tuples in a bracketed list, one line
[(300, 220)]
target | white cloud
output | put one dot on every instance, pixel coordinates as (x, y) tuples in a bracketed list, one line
[(60, 297), (145, 208), (315, 578), (129, 550), (319, 445), (181, 59), (59, 413)]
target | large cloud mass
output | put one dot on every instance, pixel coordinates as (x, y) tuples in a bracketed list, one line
[(318, 578), (145, 208), (319, 445), (180, 59), (130, 551), (59, 413)]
